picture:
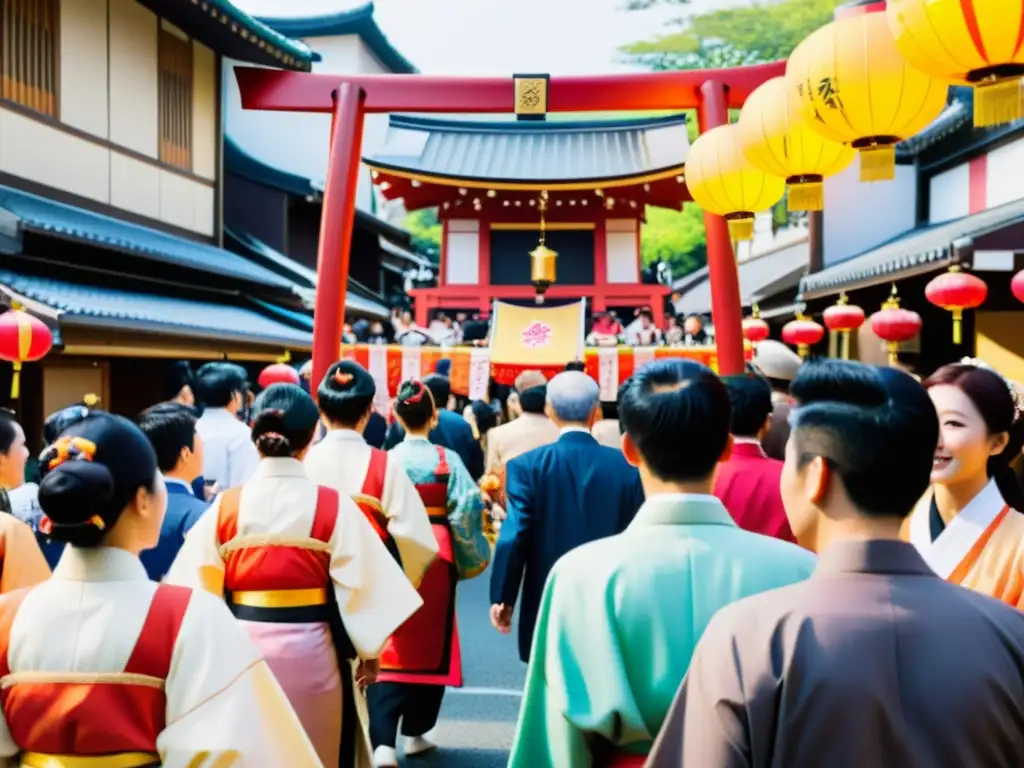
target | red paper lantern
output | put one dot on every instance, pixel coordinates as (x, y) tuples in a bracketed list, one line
[(278, 373), (754, 328), (803, 334), (23, 339), (956, 291), (1017, 286), (895, 325), (842, 318)]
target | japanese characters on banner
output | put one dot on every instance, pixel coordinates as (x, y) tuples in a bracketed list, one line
[(479, 373), (608, 373)]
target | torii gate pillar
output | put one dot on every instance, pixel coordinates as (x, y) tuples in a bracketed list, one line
[(348, 99)]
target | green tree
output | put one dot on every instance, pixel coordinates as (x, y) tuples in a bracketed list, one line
[(425, 228), (675, 237)]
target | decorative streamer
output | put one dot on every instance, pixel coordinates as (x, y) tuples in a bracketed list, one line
[(378, 368), (608, 373), (479, 373), (411, 363)]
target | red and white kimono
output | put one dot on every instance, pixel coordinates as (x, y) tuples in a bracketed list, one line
[(379, 485), (304, 573), (101, 667)]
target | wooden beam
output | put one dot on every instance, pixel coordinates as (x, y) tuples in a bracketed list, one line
[(277, 90)]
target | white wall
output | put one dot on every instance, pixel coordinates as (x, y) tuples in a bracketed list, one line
[(108, 89), (949, 194), (623, 260), (462, 252), (297, 142), (858, 216)]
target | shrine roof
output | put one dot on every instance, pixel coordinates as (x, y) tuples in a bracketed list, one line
[(533, 153), (354, 21)]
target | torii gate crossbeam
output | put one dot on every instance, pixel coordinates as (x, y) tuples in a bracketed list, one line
[(348, 99)]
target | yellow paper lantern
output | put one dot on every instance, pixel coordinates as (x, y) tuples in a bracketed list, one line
[(722, 181), (970, 42), (776, 140), (854, 87)]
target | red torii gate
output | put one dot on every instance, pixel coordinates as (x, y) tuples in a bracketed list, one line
[(712, 92)]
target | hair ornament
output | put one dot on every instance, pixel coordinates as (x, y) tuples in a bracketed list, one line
[(1014, 389), (46, 524), (274, 435), (418, 391), (68, 449), (342, 378)]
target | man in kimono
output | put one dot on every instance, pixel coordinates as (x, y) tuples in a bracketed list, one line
[(371, 477), (230, 458), (620, 616), (748, 482), (874, 660), (559, 496), (779, 365)]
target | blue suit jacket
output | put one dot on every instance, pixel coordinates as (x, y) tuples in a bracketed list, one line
[(559, 496), (453, 432), (183, 511)]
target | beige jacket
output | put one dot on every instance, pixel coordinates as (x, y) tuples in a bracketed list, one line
[(529, 431)]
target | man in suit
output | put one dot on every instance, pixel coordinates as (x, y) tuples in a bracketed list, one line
[(779, 365), (874, 660), (748, 481), (559, 496), (171, 429), (452, 431), (530, 430)]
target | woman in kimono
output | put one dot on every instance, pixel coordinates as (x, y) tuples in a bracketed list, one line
[(969, 527), (101, 666), (423, 655), (21, 561), (304, 573)]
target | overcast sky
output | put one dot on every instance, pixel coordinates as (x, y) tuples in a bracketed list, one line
[(502, 36)]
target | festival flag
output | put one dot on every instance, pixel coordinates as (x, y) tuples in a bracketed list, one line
[(535, 337)]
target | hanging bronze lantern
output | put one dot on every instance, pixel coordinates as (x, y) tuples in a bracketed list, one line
[(542, 258)]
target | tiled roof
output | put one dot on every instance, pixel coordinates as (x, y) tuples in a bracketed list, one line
[(356, 21), (83, 305), (48, 217), (533, 150)]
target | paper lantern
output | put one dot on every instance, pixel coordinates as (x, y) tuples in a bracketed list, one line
[(776, 140), (843, 317), (722, 181), (802, 334), (969, 42), (895, 325), (754, 328), (854, 87), (956, 291), (278, 373), (1017, 286), (23, 339)]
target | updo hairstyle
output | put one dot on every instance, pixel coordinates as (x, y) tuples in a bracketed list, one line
[(415, 404), (994, 399), (284, 419), (92, 472)]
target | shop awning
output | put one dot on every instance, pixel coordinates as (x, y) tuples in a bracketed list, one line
[(762, 276), (31, 213), (919, 251), (87, 306)]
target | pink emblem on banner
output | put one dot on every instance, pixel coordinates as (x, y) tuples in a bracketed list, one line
[(536, 335)]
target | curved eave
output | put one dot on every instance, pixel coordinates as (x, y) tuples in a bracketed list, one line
[(476, 125), (357, 21), (524, 185)]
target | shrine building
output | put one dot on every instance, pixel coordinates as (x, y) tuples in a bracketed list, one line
[(490, 178)]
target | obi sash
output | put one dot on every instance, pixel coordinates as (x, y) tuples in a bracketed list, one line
[(369, 499), (425, 649), (101, 720)]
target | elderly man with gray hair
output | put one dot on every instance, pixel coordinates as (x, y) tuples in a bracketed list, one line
[(558, 497)]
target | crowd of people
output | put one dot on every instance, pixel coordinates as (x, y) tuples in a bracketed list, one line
[(809, 564)]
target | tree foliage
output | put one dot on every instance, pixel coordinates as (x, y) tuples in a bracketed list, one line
[(425, 228), (675, 237)]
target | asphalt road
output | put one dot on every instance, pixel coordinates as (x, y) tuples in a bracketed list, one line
[(478, 721)]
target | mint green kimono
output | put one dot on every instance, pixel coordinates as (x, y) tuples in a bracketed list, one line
[(620, 618)]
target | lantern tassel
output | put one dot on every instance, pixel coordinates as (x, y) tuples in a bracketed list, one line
[(878, 163), (958, 316), (802, 349), (741, 228), (998, 102), (844, 345), (806, 196), (16, 382), (894, 349)]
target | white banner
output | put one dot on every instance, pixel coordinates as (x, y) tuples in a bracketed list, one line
[(479, 373), (412, 363), (608, 373), (642, 356), (378, 368)]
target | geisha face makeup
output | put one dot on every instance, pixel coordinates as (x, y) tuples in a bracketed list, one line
[(965, 444)]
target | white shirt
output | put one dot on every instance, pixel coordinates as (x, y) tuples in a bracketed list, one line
[(229, 456)]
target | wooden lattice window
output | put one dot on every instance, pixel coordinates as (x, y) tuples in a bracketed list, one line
[(30, 48), (175, 99)]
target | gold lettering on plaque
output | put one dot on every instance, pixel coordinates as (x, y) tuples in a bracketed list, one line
[(531, 96)]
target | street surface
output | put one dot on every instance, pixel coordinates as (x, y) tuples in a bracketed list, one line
[(478, 721)]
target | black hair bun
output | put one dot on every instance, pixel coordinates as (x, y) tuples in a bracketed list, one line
[(269, 430), (71, 493)]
